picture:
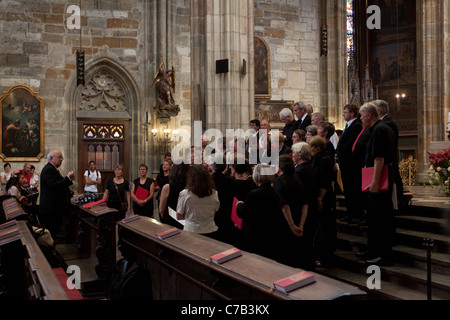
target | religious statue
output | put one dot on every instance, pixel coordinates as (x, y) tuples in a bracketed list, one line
[(165, 86)]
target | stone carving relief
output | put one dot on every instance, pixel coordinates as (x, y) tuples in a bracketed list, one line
[(103, 93)]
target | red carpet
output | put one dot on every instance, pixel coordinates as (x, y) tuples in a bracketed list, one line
[(62, 277)]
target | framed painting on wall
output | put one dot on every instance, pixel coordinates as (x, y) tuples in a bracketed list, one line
[(270, 110), (262, 69), (22, 117)]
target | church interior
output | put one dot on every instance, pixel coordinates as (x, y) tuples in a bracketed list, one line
[(123, 82)]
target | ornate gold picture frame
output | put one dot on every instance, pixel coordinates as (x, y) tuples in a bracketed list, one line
[(22, 117)]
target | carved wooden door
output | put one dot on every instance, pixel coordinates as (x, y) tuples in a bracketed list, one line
[(107, 143)]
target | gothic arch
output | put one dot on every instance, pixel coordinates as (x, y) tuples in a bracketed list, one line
[(110, 92)]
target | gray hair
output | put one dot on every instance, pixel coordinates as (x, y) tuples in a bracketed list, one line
[(369, 108), (383, 106), (309, 108), (312, 128), (286, 112), (300, 105), (303, 150), (319, 115), (51, 154), (260, 173)]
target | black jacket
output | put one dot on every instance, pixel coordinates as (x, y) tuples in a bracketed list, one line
[(55, 192)]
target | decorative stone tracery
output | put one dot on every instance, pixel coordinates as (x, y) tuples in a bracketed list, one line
[(103, 93)]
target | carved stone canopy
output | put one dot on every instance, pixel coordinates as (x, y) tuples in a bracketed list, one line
[(103, 93)]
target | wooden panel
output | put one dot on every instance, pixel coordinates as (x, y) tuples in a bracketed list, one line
[(250, 276)]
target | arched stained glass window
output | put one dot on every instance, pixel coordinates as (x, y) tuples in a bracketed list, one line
[(350, 29)]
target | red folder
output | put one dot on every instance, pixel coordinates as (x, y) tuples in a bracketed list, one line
[(87, 206), (141, 193), (367, 177), (237, 221)]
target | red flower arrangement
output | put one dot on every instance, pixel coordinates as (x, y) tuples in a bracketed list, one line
[(440, 169)]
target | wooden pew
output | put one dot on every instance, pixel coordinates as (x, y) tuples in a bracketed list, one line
[(181, 269), (30, 276), (96, 235)]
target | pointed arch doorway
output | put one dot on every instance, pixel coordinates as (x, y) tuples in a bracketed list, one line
[(104, 109)]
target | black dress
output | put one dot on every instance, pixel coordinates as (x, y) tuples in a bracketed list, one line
[(243, 187), (147, 209), (264, 228), (323, 173), (115, 198), (227, 232), (172, 200), (292, 193)]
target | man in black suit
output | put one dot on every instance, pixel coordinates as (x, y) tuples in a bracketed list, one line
[(383, 110), (350, 172), (55, 193), (379, 153), (303, 117)]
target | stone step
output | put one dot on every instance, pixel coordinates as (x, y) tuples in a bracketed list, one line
[(414, 257), (415, 239), (425, 224), (405, 236), (397, 282)]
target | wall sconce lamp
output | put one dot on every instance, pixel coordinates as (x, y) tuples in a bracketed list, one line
[(162, 138)]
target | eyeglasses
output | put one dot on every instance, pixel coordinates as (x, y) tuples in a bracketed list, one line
[(61, 157)]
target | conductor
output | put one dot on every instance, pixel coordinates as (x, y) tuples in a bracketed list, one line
[(55, 193)]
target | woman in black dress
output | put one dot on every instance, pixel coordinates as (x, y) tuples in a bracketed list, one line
[(170, 193), (142, 192), (294, 205), (301, 154), (243, 182), (323, 168), (117, 193), (264, 228)]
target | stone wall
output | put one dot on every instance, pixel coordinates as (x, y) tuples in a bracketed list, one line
[(292, 31), (38, 49)]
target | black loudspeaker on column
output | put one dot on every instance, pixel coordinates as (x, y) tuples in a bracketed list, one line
[(222, 66), (80, 68)]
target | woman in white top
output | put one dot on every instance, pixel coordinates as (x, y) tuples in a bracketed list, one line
[(34, 177), (4, 177), (92, 178), (198, 203)]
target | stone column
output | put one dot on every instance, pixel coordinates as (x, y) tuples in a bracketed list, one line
[(161, 39), (333, 73), (433, 75), (229, 35)]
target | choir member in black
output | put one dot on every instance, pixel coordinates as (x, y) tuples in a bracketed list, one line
[(117, 193), (142, 192), (170, 192), (228, 232), (358, 160), (282, 147), (163, 177), (294, 205), (349, 171), (326, 130), (383, 111), (380, 151), (323, 174), (264, 228), (243, 182), (302, 154), (287, 117)]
